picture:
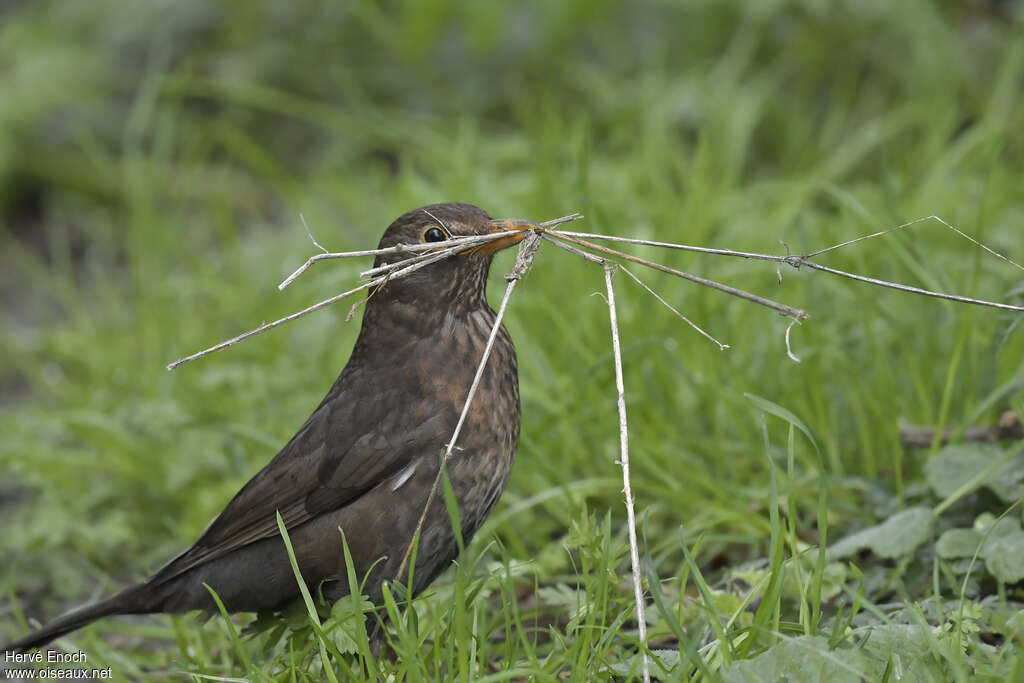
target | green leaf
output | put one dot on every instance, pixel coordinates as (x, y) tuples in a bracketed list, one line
[(899, 535), (954, 466), (1000, 543), (350, 623), (1007, 481), (783, 414), (1004, 557), (663, 664), (872, 650), (958, 543)]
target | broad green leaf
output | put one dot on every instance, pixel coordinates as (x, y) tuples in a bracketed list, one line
[(863, 658), (899, 535), (663, 664), (1004, 557), (1000, 543), (958, 543), (954, 466)]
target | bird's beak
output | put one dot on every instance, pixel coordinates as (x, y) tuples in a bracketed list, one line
[(505, 225)]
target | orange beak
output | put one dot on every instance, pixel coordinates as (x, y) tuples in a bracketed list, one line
[(505, 225)]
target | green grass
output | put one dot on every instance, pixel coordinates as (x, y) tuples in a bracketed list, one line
[(152, 169)]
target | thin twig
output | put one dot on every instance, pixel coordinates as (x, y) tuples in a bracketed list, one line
[(915, 222), (597, 259), (268, 326), (468, 240), (774, 305), (627, 271), (634, 553), (585, 255), (1008, 428), (558, 221), (396, 270), (310, 234), (390, 267), (439, 221), (672, 245), (789, 349), (906, 288), (298, 314), (784, 259), (444, 252), (796, 261)]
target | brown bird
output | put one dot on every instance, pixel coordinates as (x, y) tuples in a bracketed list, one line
[(367, 457)]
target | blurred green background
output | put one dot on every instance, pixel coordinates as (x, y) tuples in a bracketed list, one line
[(155, 158)]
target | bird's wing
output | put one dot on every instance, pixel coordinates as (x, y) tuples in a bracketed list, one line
[(346, 447)]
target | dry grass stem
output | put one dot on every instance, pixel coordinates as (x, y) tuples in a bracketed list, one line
[(586, 256), (466, 241), (600, 261), (789, 349), (774, 305), (404, 270), (627, 271), (912, 223), (1008, 428), (787, 258), (798, 261), (634, 554), (563, 219), (268, 326), (429, 256), (461, 246), (470, 240), (672, 245), (452, 246), (390, 272), (309, 233)]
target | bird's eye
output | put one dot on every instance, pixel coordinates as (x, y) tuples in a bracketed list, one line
[(434, 235)]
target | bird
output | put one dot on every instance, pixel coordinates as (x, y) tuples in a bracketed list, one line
[(366, 459)]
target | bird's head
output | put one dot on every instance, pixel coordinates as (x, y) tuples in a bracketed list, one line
[(459, 280)]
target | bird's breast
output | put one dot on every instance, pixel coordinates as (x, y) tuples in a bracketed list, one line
[(435, 367)]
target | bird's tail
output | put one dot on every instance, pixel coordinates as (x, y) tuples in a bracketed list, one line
[(125, 602)]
